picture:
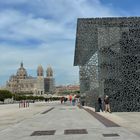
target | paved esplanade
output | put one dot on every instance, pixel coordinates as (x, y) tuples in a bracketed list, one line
[(62, 117)]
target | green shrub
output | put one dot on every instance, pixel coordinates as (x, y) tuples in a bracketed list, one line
[(5, 94)]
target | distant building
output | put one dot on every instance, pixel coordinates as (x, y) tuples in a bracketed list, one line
[(68, 88), (22, 83)]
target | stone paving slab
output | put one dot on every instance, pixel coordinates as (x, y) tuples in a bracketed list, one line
[(61, 118), (11, 114), (128, 120)]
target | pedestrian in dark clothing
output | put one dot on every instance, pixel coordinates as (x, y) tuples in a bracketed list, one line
[(100, 105), (62, 99), (65, 99)]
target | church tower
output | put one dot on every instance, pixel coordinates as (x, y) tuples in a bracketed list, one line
[(40, 80), (49, 81), (49, 72), (40, 72)]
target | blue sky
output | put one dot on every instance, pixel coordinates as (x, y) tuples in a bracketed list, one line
[(43, 32)]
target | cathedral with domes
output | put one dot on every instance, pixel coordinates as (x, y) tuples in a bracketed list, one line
[(40, 85)]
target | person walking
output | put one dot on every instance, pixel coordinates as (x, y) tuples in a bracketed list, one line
[(107, 105), (100, 105), (62, 99), (70, 98), (73, 100)]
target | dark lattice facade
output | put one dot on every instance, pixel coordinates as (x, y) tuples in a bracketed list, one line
[(108, 55)]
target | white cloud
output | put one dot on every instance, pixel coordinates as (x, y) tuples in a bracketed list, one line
[(16, 26), (69, 10), (19, 26), (53, 24)]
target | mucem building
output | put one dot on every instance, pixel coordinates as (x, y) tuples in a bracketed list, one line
[(108, 55)]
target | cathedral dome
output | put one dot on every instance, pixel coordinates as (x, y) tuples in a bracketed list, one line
[(21, 72), (49, 72), (40, 71)]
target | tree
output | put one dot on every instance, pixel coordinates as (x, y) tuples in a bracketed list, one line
[(41, 98), (5, 94)]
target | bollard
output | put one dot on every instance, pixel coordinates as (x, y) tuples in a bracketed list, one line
[(24, 103)]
